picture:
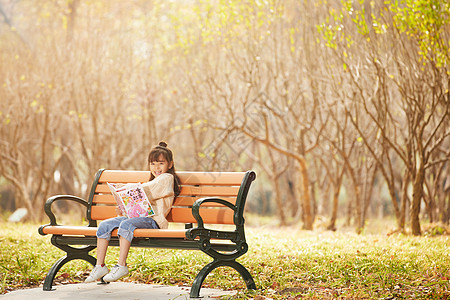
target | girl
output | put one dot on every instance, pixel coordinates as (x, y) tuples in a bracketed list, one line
[(161, 190)]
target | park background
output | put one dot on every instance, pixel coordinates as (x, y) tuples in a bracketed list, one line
[(341, 108)]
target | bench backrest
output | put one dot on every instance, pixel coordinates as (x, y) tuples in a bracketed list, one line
[(194, 185)]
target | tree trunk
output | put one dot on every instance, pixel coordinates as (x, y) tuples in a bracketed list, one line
[(332, 224), (404, 200), (308, 217), (293, 204), (358, 220), (397, 211), (417, 197), (280, 207), (312, 193), (336, 192), (368, 194), (429, 208), (447, 219), (348, 221)]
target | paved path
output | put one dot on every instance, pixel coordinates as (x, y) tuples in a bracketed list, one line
[(115, 290)]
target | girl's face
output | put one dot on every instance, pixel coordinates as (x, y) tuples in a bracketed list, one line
[(160, 166)]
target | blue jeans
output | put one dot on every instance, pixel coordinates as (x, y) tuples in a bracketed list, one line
[(126, 227)]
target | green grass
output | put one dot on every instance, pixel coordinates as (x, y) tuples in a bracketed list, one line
[(286, 263)]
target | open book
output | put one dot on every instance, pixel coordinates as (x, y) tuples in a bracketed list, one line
[(131, 199)]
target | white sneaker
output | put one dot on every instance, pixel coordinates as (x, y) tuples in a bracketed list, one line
[(97, 273), (116, 273)]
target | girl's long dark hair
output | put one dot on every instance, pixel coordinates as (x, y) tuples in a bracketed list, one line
[(154, 155)]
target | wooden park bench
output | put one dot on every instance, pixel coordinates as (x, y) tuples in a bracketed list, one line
[(205, 198)]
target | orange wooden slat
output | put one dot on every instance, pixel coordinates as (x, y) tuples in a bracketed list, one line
[(212, 178), (209, 216), (219, 191), (187, 178), (104, 199), (176, 215), (70, 230), (179, 201), (102, 189), (202, 190), (189, 201), (103, 212), (124, 176), (91, 231), (170, 233)]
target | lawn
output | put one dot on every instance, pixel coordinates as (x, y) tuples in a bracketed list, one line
[(286, 263)]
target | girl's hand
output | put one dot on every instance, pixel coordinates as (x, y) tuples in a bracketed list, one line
[(118, 211)]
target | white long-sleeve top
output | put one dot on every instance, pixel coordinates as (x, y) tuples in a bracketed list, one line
[(160, 193)]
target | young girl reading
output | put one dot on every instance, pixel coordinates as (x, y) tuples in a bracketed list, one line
[(161, 190)]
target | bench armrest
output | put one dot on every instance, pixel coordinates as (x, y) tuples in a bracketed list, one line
[(201, 231), (205, 235), (199, 202), (51, 200)]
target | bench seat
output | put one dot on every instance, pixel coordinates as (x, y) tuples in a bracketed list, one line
[(91, 231)]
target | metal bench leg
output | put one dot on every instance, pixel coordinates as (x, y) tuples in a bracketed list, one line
[(48, 283), (196, 286)]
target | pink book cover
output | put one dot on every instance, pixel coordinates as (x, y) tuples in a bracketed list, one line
[(131, 199)]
